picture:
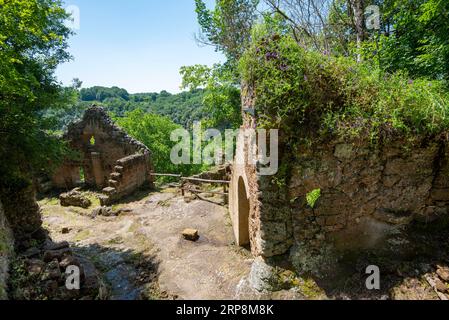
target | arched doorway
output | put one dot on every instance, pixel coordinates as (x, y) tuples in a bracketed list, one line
[(243, 214)]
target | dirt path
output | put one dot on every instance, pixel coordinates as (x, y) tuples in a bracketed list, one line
[(143, 245), (142, 255)]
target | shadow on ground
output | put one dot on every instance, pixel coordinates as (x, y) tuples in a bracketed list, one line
[(128, 275), (404, 266)]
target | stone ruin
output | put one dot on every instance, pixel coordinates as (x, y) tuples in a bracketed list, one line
[(110, 161), (367, 195)]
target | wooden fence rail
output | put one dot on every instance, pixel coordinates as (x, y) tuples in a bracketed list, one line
[(225, 184)]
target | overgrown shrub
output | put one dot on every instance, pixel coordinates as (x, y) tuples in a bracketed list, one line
[(154, 131), (313, 95)]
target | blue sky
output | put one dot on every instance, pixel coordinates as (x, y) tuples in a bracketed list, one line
[(138, 45)]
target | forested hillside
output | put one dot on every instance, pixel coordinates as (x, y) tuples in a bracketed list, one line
[(184, 108)]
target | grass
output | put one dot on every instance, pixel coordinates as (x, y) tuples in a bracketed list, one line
[(50, 202), (82, 235), (116, 241)]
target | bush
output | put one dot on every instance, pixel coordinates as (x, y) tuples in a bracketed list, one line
[(154, 131), (314, 95)]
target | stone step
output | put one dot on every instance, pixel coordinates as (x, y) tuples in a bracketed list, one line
[(118, 169), (114, 183), (109, 191), (116, 176), (105, 200)]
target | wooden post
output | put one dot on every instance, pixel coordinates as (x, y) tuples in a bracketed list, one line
[(225, 194)]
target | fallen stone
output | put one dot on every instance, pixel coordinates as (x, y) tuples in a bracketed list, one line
[(31, 253), (35, 266), (190, 234), (443, 272), (57, 254), (90, 278), (52, 246), (441, 287), (123, 211), (74, 199), (69, 261), (52, 271), (102, 211)]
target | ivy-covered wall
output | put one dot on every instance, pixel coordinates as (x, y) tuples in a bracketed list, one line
[(361, 153)]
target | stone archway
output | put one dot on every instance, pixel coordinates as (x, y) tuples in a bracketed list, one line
[(243, 214)]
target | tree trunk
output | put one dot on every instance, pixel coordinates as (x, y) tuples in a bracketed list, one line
[(357, 7)]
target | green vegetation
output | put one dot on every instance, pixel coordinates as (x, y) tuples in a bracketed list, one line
[(184, 108), (4, 242), (335, 79), (155, 132), (415, 37), (222, 101), (310, 94), (228, 26), (33, 41), (312, 197)]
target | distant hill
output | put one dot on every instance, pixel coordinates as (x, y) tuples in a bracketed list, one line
[(183, 108)]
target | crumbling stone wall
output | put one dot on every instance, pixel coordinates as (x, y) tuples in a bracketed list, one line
[(24, 216), (268, 224), (6, 249), (367, 192), (110, 159), (129, 174)]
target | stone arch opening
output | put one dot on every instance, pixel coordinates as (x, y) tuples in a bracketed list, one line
[(243, 214)]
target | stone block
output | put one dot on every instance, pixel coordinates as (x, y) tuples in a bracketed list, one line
[(190, 234), (440, 194), (109, 191)]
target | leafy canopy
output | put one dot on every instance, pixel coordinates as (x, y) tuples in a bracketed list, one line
[(33, 41)]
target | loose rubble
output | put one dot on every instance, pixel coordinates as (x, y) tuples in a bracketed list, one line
[(74, 198)]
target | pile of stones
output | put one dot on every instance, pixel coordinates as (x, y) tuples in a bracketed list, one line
[(46, 273), (74, 198)]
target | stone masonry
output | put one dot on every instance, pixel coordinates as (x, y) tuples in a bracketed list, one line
[(366, 192)]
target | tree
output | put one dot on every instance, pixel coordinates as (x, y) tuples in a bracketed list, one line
[(307, 18), (228, 26), (222, 101), (416, 37), (33, 41), (358, 10)]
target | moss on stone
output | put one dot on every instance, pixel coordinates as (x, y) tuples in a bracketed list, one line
[(310, 289)]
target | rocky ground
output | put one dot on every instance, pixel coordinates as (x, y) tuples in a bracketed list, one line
[(139, 249), (136, 250)]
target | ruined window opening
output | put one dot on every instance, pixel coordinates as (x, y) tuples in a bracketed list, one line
[(92, 141)]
